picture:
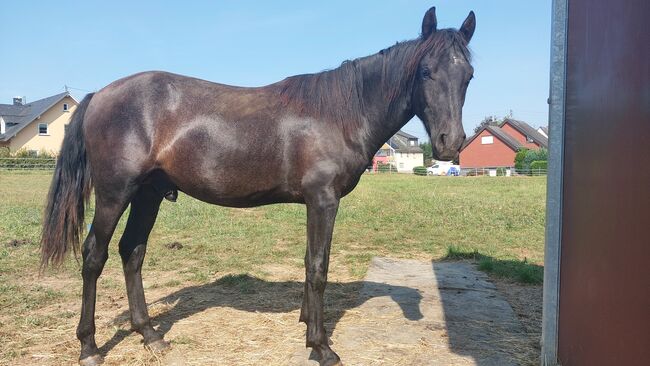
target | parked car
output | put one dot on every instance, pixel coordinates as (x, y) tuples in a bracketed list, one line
[(443, 168)]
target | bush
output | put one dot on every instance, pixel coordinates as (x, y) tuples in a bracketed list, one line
[(519, 158), (525, 158), (539, 165), (27, 163), (420, 170), (501, 172), (535, 155)]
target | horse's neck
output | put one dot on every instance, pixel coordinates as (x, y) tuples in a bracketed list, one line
[(383, 119)]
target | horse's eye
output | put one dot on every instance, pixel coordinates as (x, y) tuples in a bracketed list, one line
[(426, 73)]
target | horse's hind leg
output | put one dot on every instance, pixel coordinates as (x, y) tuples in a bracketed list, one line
[(144, 209), (108, 209)]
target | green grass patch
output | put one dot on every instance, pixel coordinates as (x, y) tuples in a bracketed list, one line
[(519, 270)]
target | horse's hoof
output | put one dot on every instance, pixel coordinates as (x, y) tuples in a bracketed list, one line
[(328, 363), (331, 359), (158, 346), (93, 360)]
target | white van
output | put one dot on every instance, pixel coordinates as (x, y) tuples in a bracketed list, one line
[(442, 168)]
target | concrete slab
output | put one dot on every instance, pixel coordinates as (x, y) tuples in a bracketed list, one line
[(424, 313)]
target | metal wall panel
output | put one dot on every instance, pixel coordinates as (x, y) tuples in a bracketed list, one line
[(604, 302)]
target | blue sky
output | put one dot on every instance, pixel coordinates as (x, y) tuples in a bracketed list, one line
[(88, 44)]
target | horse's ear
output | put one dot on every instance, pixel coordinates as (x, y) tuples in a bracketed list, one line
[(467, 29), (429, 23)]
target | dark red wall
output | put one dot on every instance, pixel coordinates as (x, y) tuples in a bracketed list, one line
[(604, 316), (476, 155)]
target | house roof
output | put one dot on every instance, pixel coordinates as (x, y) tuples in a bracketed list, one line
[(398, 146), (498, 133), (406, 135), (18, 117), (527, 130)]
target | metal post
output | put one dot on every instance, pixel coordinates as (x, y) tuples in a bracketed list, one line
[(552, 247)]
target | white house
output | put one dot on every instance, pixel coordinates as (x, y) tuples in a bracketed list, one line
[(402, 151)]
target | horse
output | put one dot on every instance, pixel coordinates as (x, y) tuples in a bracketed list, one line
[(306, 139)]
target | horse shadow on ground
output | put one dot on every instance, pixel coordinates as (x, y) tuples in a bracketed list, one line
[(244, 292)]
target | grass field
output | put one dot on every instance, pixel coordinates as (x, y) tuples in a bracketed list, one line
[(497, 221)]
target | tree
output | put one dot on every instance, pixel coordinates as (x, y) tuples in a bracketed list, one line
[(427, 152), (488, 121)]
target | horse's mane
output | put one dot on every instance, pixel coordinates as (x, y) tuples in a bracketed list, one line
[(337, 95)]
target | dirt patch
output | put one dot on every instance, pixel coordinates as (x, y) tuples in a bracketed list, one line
[(174, 246), (240, 319), (15, 243)]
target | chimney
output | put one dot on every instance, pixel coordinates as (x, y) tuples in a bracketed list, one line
[(18, 100)]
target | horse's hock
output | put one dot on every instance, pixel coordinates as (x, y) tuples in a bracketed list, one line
[(424, 313)]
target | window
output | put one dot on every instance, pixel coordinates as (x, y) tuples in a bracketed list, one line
[(65, 107), (412, 142), (401, 165), (486, 140), (42, 128)]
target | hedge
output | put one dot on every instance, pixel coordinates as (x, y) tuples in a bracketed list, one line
[(420, 170)]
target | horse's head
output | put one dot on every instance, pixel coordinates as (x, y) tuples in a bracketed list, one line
[(440, 84)]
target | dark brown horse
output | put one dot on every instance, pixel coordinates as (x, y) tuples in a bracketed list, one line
[(305, 139)]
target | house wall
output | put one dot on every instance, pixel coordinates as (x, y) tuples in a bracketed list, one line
[(56, 119), (507, 128), (407, 161), (477, 155)]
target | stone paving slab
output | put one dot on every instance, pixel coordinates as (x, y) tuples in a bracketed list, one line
[(424, 313)]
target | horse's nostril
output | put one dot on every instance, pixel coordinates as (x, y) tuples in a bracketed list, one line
[(443, 138), (464, 137)]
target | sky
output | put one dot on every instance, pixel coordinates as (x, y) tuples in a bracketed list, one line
[(88, 44)]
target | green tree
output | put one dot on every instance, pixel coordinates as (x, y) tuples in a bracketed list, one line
[(427, 152)]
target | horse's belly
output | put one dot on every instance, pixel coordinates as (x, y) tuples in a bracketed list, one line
[(235, 187)]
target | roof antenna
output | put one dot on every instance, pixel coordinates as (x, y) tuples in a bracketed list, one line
[(65, 87)]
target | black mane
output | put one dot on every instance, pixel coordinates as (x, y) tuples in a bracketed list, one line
[(337, 94)]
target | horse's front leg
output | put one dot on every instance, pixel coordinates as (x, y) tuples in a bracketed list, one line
[(321, 213)]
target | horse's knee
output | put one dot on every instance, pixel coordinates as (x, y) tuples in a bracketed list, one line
[(132, 256)]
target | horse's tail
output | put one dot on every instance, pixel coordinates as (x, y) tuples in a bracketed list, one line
[(63, 221)]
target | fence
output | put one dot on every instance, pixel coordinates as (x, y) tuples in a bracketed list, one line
[(50, 163), (469, 172), (27, 163), (496, 172)]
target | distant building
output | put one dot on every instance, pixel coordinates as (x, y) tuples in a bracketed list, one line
[(401, 151), (496, 146), (36, 126)]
